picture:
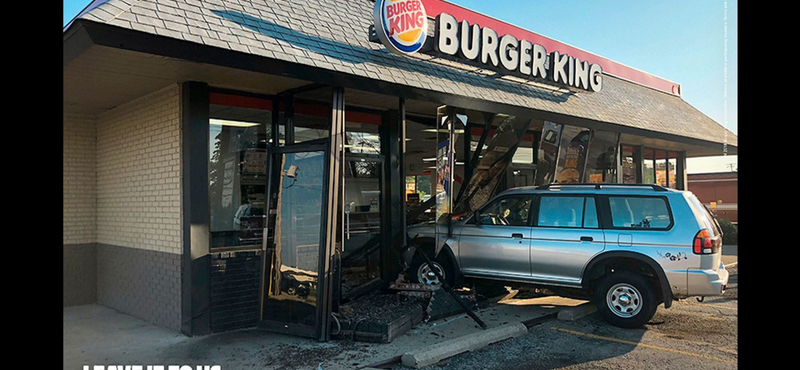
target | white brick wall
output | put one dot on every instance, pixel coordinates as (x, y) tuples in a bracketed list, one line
[(79, 190), (138, 173)]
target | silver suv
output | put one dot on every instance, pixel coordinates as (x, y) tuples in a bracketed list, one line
[(626, 247)]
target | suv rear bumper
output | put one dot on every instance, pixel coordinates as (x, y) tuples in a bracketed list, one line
[(707, 282)]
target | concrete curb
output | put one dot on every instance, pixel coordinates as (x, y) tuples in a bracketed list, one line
[(577, 312), (470, 342)]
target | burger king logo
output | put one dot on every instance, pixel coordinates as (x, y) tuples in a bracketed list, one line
[(401, 25)]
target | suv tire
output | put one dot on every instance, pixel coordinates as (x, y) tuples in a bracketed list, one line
[(421, 273), (625, 299)]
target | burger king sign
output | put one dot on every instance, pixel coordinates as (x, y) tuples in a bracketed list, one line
[(401, 25)]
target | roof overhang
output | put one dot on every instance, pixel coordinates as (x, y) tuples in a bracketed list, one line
[(106, 65)]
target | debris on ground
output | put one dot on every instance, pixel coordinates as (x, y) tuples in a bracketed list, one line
[(381, 308), (291, 357)]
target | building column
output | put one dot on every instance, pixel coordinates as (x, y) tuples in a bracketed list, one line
[(195, 264), (394, 228), (680, 171)]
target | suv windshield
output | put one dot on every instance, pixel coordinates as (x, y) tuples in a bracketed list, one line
[(708, 219)]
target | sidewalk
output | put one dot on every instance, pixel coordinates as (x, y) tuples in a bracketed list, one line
[(96, 335)]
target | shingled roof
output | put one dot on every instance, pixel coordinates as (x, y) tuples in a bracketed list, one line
[(333, 36)]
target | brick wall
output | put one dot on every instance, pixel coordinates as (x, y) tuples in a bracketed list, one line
[(79, 182), (79, 214), (139, 208), (721, 188), (138, 173), (142, 283), (122, 208)]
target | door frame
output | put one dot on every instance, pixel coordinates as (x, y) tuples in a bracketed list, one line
[(274, 153), (330, 232)]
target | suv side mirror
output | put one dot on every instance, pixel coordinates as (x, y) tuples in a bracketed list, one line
[(482, 220), (473, 219)]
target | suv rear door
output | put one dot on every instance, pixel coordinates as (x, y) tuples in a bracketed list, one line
[(566, 234), (638, 220)]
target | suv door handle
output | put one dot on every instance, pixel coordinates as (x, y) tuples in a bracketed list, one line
[(587, 239), (516, 235)]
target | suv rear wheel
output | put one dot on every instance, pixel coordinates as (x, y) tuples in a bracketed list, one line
[(625, 299)]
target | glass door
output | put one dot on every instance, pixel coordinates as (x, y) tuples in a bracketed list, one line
[(294, 273)]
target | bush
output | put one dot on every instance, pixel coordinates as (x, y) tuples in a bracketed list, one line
[(730, 232)]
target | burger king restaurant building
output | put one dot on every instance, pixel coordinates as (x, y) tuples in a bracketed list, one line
[(233, 164)]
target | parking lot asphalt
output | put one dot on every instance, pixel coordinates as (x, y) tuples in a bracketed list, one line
[(730, 254), (97, 335), (689, 335)]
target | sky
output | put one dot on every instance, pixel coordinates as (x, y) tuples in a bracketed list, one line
[(691, 42)]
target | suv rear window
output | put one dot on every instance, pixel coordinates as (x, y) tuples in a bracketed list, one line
[(708, 220), (639, 212)]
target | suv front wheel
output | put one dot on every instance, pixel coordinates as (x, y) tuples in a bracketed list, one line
[(625, 299), (421, 272)]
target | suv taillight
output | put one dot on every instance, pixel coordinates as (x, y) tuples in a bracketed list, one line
[(705, 244)]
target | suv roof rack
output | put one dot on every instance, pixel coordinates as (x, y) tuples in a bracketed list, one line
[(600, 186)]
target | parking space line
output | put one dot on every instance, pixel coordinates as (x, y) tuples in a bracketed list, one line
[(712, 306), (636, 344)]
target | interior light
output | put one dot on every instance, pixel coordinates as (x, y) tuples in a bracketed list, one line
[(363, 148), (225, 122), (444, 130)]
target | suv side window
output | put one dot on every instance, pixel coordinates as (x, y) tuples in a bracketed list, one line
[(639, 212), (567, 211), (507, 211)]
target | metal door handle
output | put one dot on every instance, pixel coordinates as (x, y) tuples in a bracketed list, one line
[(587, 239), (347, 224), (516, 235)]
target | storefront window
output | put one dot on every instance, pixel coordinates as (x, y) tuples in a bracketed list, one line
[(601, 166), (424, 186), (658, 166), (418, 188), (361, 133), (672, 164), (311, 121), (522, 171), (662, 170), (496, 156), (572, 154), (649, 166), (525, 150), (628, 164), (239, 128), (548, 152)]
